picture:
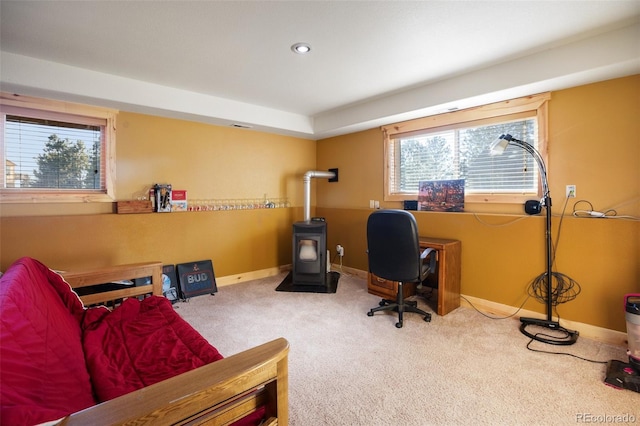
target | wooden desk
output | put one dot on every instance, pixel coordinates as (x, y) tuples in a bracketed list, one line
[(446, 279)]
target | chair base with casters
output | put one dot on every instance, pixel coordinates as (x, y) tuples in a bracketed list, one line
[(400, 305)]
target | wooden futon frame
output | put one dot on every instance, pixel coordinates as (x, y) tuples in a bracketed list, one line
[(219, 393)]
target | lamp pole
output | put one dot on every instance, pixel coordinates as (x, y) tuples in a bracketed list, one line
[(498, 147)]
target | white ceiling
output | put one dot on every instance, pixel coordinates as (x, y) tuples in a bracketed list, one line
[(372, 62)]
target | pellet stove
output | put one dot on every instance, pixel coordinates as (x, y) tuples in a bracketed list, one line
[(310, 239), (310, 252)]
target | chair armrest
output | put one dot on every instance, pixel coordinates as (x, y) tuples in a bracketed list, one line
[(432, 263), (426, 253), (221, 392)]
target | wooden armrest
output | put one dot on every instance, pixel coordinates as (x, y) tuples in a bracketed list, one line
[(218, 393), (79, 279)]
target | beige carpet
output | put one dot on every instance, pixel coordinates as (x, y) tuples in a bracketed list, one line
[(346, 368)]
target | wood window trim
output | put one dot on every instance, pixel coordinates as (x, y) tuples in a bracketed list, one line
[(534, 103), (25, 195)]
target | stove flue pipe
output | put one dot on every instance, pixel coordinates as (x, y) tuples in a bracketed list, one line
[(307, 189)]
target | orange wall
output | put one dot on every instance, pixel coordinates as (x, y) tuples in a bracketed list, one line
[(236, 241), (211, 162), (593, 144)]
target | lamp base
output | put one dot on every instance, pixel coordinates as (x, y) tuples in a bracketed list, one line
[(572, 336)]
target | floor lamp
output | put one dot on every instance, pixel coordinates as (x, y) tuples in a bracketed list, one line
[(497, 148)]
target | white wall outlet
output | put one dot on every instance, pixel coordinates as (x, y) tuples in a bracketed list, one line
[(340, 250), (372, 204), (571, 191)]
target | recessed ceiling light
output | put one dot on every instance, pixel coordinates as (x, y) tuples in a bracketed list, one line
[(301, 48)]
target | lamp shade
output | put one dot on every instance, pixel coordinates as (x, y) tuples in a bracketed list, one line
[(499, 145)]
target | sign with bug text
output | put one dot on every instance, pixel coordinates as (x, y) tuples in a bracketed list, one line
[(196, 278)]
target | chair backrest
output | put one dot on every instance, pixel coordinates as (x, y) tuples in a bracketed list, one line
[(393, 245)]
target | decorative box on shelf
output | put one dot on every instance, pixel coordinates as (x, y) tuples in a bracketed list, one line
[(134, 206), (179, 200), (162, 197)]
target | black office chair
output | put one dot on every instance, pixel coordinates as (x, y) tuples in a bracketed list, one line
[(394, 254)]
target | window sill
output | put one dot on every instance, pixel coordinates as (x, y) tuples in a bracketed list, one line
[(28, 197), (476, 198)]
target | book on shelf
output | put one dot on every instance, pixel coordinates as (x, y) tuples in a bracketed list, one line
[(179, 200)]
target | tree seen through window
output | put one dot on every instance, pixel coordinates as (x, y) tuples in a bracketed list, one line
[(45, 154)]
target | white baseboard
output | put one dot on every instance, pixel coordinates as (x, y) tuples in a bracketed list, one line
[(589, 331)]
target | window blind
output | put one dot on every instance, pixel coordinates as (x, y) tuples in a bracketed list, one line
[(462, 152), (45, 153)]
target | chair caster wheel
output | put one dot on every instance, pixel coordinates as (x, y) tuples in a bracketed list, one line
[(427, 318), (382, 303), (369, 314), (398, 325)]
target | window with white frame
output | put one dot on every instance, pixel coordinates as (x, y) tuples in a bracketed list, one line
[(456, 145), (55, 151)]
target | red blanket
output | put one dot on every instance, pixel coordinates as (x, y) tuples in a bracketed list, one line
[(139, 344)]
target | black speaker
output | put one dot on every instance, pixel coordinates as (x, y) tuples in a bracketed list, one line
[(532, 207), (410, 204)]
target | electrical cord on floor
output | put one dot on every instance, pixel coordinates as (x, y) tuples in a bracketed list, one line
[(491, 317), (547, 336), (334, 259)]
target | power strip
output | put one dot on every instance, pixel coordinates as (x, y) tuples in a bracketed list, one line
[(588, 213)]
